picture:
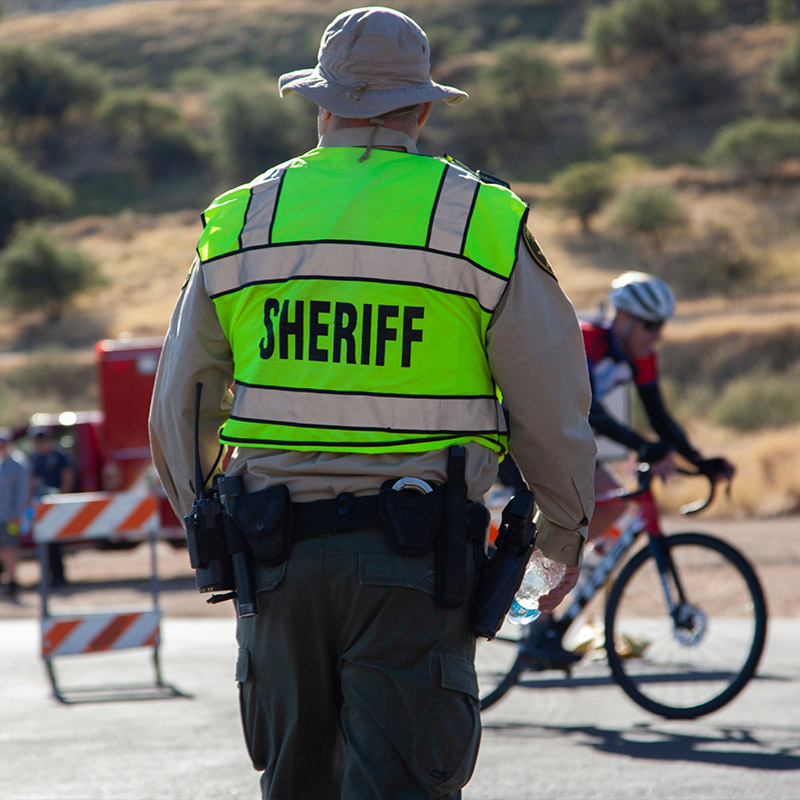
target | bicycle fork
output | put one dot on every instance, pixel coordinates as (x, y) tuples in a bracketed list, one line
[(689, 622)]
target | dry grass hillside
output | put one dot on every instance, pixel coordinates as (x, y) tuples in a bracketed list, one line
[(145, 257)]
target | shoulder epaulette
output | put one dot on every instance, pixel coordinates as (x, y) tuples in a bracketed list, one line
[(483, 177)]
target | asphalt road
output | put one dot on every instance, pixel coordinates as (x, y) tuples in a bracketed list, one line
[(550, 738)]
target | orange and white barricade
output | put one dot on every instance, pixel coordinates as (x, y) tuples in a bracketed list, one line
[(80, 517)]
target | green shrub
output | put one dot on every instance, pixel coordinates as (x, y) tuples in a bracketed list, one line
[(151, 131), (255, 128), (582, 189), (522, 71), (36, 274), (755, 148), (783, 10), (508, 107), (786, 75), (44, 83), (649, 210), (760, 400), (26, 193), (523, 78), (173, 151), (136, 114), (644, 26)]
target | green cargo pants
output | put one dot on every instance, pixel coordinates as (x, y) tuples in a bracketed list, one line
[(354, 684)]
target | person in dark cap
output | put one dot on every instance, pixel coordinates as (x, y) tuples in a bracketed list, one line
[(353, 316), (53, 473)]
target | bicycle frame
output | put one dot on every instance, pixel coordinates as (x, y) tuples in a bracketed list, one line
[(690, 651), (647, 520)]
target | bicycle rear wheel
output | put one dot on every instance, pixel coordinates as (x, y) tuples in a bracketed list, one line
[(499, 663), (697, 659)]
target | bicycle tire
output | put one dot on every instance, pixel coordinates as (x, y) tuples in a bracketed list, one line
[(498, 664), (686, 671)]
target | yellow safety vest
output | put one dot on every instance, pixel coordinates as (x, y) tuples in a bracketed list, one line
[(356, 298)]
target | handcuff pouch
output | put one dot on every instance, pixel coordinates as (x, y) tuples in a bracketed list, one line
[(411, 519)]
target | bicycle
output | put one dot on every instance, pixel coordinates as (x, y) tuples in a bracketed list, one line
[(680, 657)]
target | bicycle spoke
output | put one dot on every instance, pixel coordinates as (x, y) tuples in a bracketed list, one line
[(495, 663), (697, 659)]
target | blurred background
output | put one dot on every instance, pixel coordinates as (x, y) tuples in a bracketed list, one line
[(661, 135)]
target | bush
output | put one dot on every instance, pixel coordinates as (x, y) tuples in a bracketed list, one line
[(523, 77), (38, 83), (26, 193), (36, 274), (644, 26), (507, 110), (783, 10), (173, 151), (760, 400), (786, 75), (755, 148), (152, 131), (649, 210), (136, 114), (255, 128), (522, 72), (582, 189)]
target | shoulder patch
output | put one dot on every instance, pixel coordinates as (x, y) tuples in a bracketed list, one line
[(537, 254), (195, 265)]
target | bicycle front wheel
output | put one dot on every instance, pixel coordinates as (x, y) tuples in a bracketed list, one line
[(693, 655)]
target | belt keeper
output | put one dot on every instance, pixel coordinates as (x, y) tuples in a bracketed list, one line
[(344, 511)]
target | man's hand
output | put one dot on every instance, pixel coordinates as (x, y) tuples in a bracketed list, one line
[(550, 601)]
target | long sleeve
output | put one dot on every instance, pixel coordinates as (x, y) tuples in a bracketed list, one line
[(195, 352), (538, 360)]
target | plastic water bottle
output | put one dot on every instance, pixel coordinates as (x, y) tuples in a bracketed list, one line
[(541, 575)]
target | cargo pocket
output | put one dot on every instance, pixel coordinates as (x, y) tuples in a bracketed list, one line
[(387, 569), (446, 743), (255, 731)]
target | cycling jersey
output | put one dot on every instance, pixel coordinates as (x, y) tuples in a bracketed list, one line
[(609, 367)]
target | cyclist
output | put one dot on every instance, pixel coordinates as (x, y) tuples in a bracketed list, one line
[(618, 351), (624, 350)]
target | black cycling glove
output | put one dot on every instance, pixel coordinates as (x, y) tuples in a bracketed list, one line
[(715, 467), (651, 452)]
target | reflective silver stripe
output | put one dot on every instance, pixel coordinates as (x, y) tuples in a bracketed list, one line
[(348, 261), (261, 210), (366, 412), (451, 215)]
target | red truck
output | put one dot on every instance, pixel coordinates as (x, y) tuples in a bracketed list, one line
[(110, 447)]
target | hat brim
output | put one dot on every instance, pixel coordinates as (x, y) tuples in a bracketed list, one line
[(344, 101)]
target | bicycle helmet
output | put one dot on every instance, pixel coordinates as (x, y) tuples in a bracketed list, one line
[(643, 296)]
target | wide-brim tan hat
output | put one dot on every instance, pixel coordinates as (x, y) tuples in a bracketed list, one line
[(371, 60)]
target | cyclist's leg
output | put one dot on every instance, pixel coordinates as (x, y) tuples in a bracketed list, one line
[(604, 514)]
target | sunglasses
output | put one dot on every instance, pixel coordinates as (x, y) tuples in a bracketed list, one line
[(651, 325)]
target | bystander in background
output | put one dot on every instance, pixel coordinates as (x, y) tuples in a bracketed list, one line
[(52, 473), (14, 496)]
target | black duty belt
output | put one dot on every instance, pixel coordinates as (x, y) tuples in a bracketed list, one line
[(348, 512)]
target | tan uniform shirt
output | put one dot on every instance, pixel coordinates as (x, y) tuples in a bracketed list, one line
[(536, 355)]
